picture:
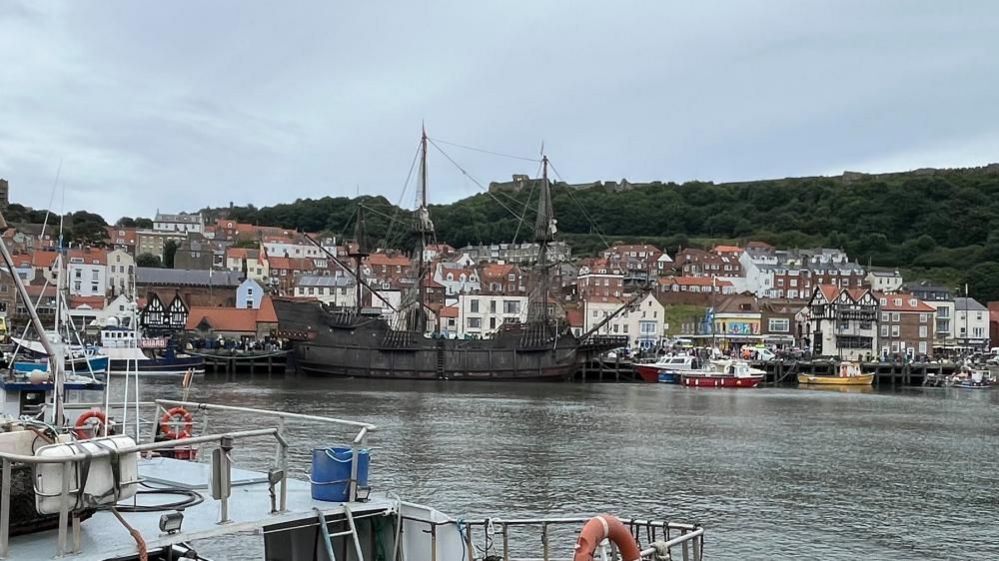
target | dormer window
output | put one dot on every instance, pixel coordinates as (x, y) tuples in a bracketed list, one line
[(898, 301)]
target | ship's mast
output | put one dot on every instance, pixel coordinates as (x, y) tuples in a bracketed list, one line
[(544, 233), (425, 228), (358, 254)]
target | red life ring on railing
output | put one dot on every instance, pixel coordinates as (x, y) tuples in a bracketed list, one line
[(84, 426), (169, 423), (602, 527)]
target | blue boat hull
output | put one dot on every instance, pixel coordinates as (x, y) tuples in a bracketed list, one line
[(171, 366), (98, 364)]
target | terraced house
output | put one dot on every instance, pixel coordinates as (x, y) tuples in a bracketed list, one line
[(906, 326)]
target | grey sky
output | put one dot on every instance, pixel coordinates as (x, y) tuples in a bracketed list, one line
[(178, 105)]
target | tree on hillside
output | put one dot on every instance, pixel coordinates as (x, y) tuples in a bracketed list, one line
[(125, 222), (143, 223), (84, 227), (169, 252), (983, 282), (148, 260)]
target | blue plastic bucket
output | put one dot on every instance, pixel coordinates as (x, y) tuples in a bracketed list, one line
[(331, 472)]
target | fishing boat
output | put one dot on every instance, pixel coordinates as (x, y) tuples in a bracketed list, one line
[(77, 358), (668, 369), (127, 351), (157, 507), (848, 373), (724, 374), (351, 342)]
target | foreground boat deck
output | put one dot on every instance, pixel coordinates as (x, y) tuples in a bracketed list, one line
[(103, 536)]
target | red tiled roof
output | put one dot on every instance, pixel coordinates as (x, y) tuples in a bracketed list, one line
[(35, 290), (829, 291), (88, 256), (449, 312), (92, 302), (727, 249), (223, 319), (266, 313), (908, 303), (496, 270), (695, 281), (379, 259), (43, 259)]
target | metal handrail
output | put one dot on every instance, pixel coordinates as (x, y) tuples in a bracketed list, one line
[(690, 538), (281, 458)]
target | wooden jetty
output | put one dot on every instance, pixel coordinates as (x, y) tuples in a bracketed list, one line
[(244, 362), (886, 374), (600, 369)]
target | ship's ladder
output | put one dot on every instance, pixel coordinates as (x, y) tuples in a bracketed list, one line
[(328, 536)]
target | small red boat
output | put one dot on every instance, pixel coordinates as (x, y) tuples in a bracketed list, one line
[(731, 374)]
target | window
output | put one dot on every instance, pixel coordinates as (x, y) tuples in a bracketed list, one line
[(884, 331), (474, 323), (511, 307), (779, 325), (78, 274), (894, 331), (473, 306), (895, 317), (885, 317), (76, 286), (595, 313), (624, 328), (94, 287), (922, 331), (978, 332), (492, 323), (923, 318), (94, 274), (922, 347), (492, 308), (843, 325)]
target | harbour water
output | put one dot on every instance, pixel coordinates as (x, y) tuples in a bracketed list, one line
[(771, 473)]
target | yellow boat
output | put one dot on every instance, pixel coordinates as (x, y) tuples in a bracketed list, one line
[(849, 374)]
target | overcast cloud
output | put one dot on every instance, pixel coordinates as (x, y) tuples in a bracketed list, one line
[(179, 105)]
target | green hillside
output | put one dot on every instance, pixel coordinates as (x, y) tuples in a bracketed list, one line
[(938, 224)]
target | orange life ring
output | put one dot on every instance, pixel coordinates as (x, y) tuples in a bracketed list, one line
[(602, 527), (84, 426), (168, 423)]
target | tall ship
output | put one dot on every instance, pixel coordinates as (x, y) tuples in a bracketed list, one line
[(348, 342)]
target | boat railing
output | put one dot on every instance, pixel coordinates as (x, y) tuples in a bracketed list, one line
[(490, 538), (225, 441)]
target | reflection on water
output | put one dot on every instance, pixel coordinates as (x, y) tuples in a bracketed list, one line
[(823, 473)]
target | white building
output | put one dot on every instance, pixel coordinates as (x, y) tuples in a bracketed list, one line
[(643, 322), (884, 280), (457, 278), (337, 291), (121, 270), (481, 315), (971, 322), (279, 247), (758, 273), (184, 223), (87, 272)]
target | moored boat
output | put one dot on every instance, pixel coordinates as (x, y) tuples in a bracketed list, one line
[(668, 369), (969, 378), (126, 352), (848, 373), (725, 374)]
